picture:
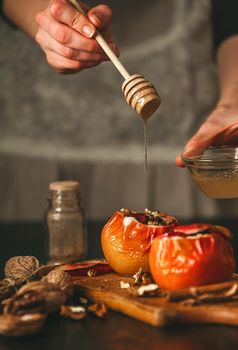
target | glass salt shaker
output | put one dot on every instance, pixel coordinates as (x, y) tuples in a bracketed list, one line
[(65, 221)]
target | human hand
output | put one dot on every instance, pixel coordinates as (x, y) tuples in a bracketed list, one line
[(67, 36), (220, 128)]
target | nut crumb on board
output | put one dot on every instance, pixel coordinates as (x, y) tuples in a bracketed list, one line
[(98, 309), (124, 285)]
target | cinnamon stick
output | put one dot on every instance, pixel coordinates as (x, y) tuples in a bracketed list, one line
[(194, 292)]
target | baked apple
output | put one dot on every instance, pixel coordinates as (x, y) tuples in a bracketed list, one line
[(192, 255), (126, 238)]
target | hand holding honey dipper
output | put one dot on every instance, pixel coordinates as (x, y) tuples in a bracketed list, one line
[(64, 34), (67, 36)]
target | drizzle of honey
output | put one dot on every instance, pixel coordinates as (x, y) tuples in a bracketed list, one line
[(145, 121)]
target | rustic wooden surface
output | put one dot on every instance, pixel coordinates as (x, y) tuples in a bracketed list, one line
[(116, 331), (156, 311)]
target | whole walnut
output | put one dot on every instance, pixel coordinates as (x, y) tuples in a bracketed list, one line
[(61, 279), (18, 268)]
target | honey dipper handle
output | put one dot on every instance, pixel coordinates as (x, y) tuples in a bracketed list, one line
[(105, 46), (117, 63)]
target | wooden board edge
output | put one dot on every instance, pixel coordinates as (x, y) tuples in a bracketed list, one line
[(157, 317)]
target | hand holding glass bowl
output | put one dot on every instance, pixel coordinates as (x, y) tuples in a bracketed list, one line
[(215, 171)]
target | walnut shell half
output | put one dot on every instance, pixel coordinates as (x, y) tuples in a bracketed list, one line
[(36, 297)]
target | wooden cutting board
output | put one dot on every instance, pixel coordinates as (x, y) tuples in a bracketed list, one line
[(156, 311)]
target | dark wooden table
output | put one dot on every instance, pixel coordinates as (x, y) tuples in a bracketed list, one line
[(116, 331)]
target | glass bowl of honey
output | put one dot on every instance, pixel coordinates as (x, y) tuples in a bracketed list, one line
[(215, 171)]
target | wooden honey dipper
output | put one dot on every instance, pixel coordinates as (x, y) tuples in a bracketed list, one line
[(140, 94)]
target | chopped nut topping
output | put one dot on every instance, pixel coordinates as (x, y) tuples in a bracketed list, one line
[(148, 217), (147, 211), (98, 309)]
